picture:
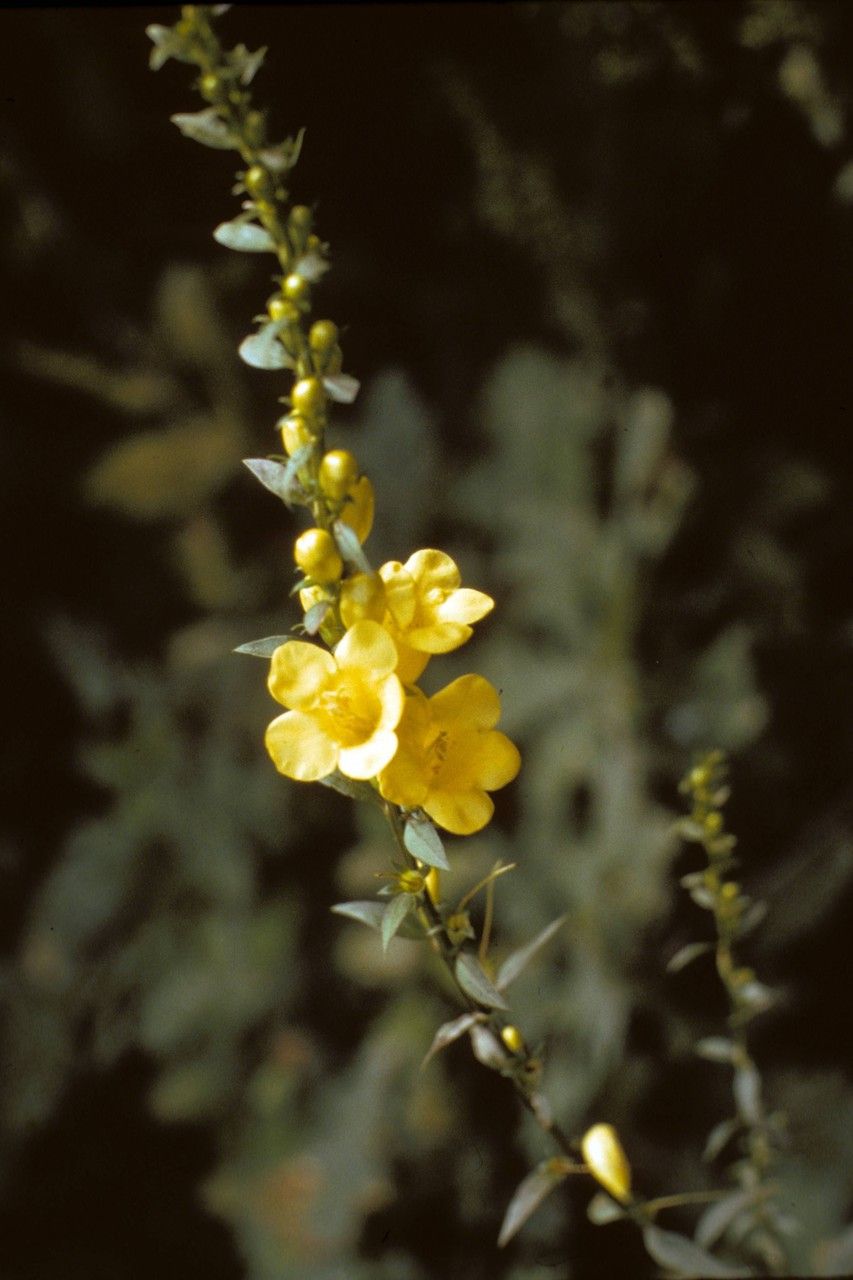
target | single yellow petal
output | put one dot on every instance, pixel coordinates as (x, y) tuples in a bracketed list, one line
[(404, 780), (299, 747), (465, 605), (392, 701), (298, 673), (433, 570), (358, 511), (367, 645), (370, 757), (410, 662), (438, 637), (459, 812), (469, 702), (362, 596), (498, 760), (400, 593)]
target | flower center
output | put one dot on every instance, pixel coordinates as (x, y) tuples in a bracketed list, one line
[(350, 712), (436, 754)]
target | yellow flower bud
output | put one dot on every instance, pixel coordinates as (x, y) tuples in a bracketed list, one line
[(211, 86), (338, 473), (606, 1161), (433, 884), (296, 288), (301, 217), (513, 1039), (323, 334), (279, 308), (713, 823), (308, 397), (258, 182), (295, 433), (317, 556)]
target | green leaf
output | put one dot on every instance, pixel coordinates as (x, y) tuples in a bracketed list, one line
[(449, 1031), (488, 1049), (685, 955), (316, 616), (206, 127), (519, 960), (264, 648), (475, 984), (349, 546), (341, 386), (350, 787), (719, 1136), (528, 1196), (290, 479), (424, 843), (680, 1255), (244, 236), (394, 915), (747, 1090), (272, 475)]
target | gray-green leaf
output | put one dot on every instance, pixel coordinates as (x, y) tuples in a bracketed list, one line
[(349, 546), (685, 955), (206, 127), (394, 915), (475, 984), (424, 843), (716, 1049), (601, 1210), (528, 1196), (488, 1049), (680, 1255), (342, 387), (369, 913), (520, 959), (264, 648), (246, 237), (274, 476), (715, 1220), (262, 350), (450, 1031), (719, 1136), (316, 616)]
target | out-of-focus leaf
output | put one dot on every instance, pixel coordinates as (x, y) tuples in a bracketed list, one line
[(424, 843), (272, 475), (316, 616), (156, 474), (312, 267), (450, 1031), (684, 1258), (341, 387), (529, 1194), (716, 1049), (601, 1210), (369, 913), (349, 546), (518, 961), (686, 954), (714, 1221), (262, 350), (473, 981), (835, 1257), (264, 648), (747, 1090), (206, 127), (245, 237), (487, 1048), (719, 1137)]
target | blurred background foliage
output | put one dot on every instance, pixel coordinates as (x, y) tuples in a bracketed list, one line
[(595, 267)]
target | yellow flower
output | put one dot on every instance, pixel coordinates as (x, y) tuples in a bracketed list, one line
[(344, 707), (606, 1161), (358, 511), (450, 755), (424, 609)]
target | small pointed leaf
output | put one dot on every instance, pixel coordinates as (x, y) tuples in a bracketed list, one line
[(685, 955), (342, 387), (747, 1090), (369, 913), (262, 350), (519, 960), (529, 1194), (349, 545), (720, 1135), (475, 984), (290, 480), (450, 1031), (246, 237), (205, 126), (488, 1049), (272, 475), (311, 267), (424, 843), (601, 1210), (264, 648), (316, 616), (350, 787), (394, 915), (681, 1256)]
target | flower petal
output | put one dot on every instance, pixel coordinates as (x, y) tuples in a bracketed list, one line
[(440, 637), (471, 702), (368, 646), (392, 700), (459, 812), (465, 605), (299, 747), (410, 662), (358, 512), (433, 569), (400, 593), (298, 671), (370, 757), (497, 762), (362, 596)]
